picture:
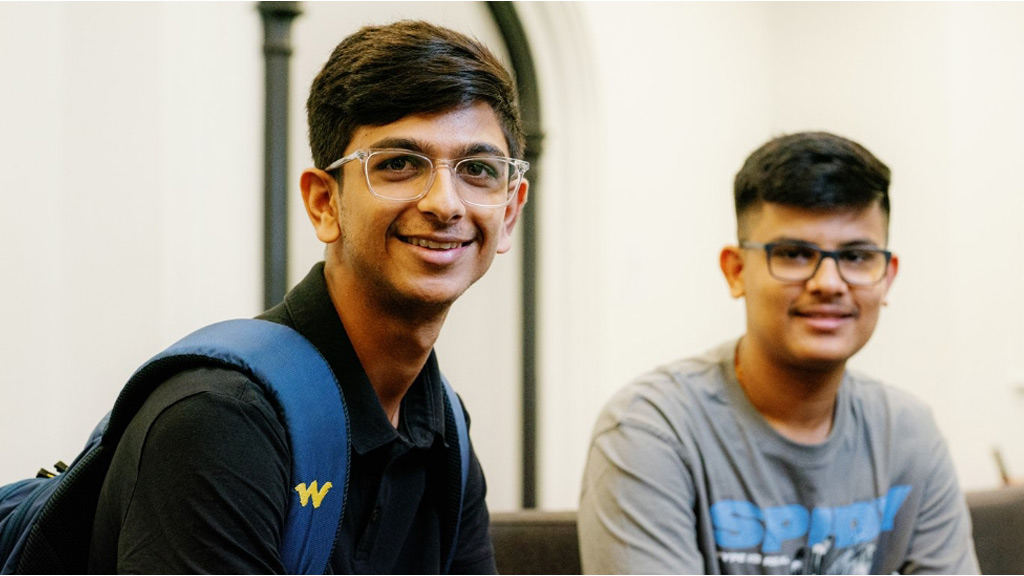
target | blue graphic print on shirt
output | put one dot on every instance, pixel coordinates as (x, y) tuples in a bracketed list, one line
[(740, 524)]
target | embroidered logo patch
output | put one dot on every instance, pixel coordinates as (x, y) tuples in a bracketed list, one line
[(313, 491)]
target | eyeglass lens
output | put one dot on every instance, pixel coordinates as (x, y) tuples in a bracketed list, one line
[(400, 175), (798, 263)]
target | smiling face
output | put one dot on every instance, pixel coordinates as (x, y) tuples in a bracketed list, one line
[(824, 321), (425, 252)]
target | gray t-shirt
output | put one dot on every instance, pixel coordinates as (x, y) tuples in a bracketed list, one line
[(684, 476)]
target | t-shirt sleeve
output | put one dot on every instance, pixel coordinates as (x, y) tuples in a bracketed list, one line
[(474, 553), (636, 511), (211, 490), (941, 542)]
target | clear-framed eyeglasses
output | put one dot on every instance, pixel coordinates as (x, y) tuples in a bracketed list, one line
[(799, 262), (406, 176)]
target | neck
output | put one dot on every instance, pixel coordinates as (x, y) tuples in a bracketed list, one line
[(799, 403), (392, 343)]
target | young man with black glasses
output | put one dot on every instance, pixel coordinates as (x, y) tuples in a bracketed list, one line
[(417, 139), (766, 455)]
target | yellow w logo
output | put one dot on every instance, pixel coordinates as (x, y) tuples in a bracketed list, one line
[(317, 493)]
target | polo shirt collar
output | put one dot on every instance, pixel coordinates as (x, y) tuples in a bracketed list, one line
[(313, 315)]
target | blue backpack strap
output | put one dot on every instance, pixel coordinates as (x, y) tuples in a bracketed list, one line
[(463, 435), (302, 385)]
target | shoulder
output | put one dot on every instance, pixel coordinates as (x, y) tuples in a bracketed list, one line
[(198, 482), (882, 404), (212, 385), (664, 400), (206, 408), (200, 427)]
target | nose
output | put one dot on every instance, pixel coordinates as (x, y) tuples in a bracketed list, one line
[(827, 279), (442, 200)]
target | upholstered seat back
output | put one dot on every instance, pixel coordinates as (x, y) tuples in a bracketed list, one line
[(998, 519), (535, 542)]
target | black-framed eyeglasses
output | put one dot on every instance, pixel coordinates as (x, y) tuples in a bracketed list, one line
[(799, 262), (405, 176)]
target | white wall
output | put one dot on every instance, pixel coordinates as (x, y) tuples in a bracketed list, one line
[(130, 146)]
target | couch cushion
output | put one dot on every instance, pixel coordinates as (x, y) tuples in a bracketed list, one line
[(535, 542), (998, 519)]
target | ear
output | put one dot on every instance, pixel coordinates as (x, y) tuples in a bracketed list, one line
[(318, 192), (512, 212), (731, 262), (890, 274)]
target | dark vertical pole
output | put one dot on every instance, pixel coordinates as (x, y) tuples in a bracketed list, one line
[(277, 50), (529, 103)]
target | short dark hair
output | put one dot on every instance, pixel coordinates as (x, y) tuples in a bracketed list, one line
[(814, 170), (381, 74)]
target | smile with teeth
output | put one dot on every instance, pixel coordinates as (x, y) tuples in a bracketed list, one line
[(424, 243)]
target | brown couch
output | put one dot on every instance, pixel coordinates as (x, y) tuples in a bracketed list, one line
[(998, 519), (535, 542)]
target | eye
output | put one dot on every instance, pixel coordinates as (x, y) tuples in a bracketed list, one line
[(484, 172), (794, 253), (860, 256), (479, 169), (397, 166)]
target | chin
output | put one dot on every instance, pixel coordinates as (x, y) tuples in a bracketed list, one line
[(824, 355), (432, 294)]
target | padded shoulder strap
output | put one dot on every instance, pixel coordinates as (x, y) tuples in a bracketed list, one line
[(302, 386), (463, 434)]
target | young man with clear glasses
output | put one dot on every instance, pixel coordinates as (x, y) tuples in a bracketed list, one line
[(417, 185), (765, 454)]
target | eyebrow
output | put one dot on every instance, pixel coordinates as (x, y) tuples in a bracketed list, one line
[(413, 145), (858, 243)]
